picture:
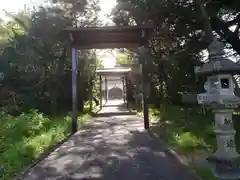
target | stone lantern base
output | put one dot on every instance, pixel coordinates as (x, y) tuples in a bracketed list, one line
[(225, 169)]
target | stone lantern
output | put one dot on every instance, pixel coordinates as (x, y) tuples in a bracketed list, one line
[(220, 97)]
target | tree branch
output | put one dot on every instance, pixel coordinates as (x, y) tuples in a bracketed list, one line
[(222, 28), (233, 22), (205, 20)]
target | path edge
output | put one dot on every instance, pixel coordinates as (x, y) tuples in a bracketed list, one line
[(44, 154), (171, 152)]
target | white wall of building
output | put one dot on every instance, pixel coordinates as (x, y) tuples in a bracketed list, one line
[(112, 82)]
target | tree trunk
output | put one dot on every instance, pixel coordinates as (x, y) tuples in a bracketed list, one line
[(91, 97)]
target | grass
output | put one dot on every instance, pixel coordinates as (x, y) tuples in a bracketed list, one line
[(184, 129), (25, 137), (187, 130), (205, 173)]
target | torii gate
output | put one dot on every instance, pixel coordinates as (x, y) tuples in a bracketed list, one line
[(106, 38), (114, 72)]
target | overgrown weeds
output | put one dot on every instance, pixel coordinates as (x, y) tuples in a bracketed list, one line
[(24, 137)]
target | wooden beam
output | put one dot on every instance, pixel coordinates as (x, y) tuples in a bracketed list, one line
[(106, 37)]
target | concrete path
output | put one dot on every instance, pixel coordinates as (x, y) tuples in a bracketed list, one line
[(110, 148), (114, 106)]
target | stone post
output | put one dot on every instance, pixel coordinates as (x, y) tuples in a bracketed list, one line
[(225, 161), (106, 89), (123, 92), (225, 133), (100, 89)]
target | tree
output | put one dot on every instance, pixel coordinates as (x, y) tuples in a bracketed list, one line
[(177, 35), (125, 57), (224, 15), (37, 65)]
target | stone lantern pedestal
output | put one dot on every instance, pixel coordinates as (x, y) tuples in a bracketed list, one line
[(221, 99), (226, 160)]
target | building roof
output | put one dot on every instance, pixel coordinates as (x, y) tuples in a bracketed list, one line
[(106, 37), (221, 66), (218, 62), (113, 71)]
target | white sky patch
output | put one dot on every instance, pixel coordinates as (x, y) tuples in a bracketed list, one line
[(106, 9), (233, 28), (108, 58), (14, 6), (109, 61)]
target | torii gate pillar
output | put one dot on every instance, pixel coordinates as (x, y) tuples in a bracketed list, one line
[(143, 60)]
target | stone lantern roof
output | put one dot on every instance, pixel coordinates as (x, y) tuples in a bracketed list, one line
[(218, 62)]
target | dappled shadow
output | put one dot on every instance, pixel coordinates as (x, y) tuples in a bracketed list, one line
[(110, 149)]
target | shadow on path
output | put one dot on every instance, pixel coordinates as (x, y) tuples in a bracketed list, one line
[(110, 148)]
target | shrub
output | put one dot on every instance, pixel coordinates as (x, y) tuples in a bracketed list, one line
[(24, 137)]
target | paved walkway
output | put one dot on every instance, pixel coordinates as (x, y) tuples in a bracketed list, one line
[(110, 148)]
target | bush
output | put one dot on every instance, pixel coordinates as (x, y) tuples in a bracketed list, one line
[(24, 137)]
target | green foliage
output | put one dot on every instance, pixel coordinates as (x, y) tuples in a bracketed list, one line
[(173, 49), (188, 131), (177, 40), (35, 70), (204, 173), (36, 66), (179, 24), (24, 137), (125, 57), (179, 126)]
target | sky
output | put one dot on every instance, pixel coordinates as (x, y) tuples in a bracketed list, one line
[(18, 5), (14, 6), (109, 59)]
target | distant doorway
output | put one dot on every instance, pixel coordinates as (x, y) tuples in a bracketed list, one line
[(115, 93)]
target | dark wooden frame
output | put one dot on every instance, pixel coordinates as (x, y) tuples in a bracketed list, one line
[(112, 72), (103, 38)]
